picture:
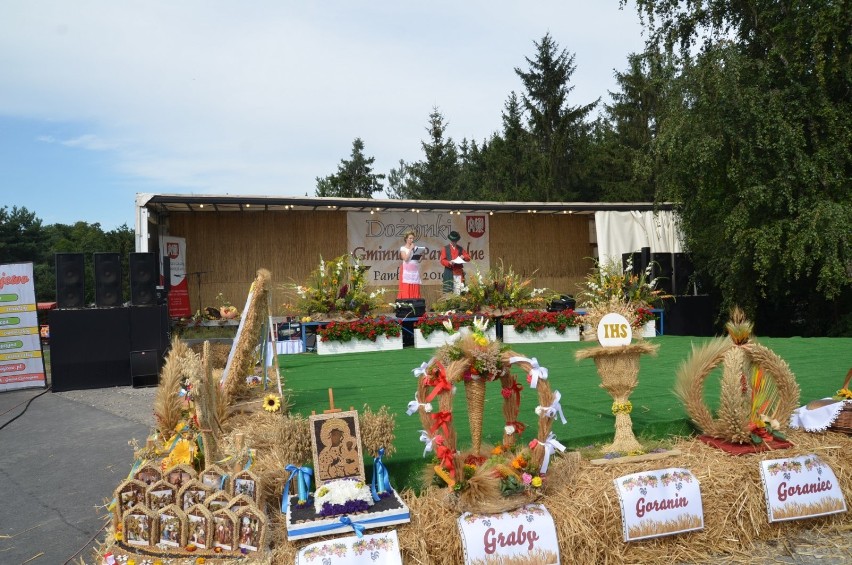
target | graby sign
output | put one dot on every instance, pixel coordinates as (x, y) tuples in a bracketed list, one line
[(175, 249), (375, 239), (659, 503), (497, 538), (800, 487), (21, 362), (372, 549)]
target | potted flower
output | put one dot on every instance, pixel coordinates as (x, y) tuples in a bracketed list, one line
[(527, 326), (367, 334), (647, 321), (433, 329)]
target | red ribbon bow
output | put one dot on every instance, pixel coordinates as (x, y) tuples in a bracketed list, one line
[(513, 389), (445, 456), (439, 382), (441, 419)]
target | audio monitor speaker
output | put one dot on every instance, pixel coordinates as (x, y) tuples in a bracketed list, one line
[(107, 280), (70, 280), (662, 271), (143, 279)]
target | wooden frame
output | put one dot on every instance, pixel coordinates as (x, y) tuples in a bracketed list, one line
[(336, 446), (160, 495), (252, 529), (215, 477), (128, 495), (148, 474), (225, 530), (246, 483), (199, 527), (171, 527), (192, 493), (180, 475), (139, 527)]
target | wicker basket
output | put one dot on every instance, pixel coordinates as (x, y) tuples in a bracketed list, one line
[(843, 423)]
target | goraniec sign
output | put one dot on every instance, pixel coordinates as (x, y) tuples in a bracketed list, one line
[(659, 503), (374, 239), (800, 487), (492, 538)]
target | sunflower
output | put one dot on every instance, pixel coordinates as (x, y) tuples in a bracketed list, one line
[(271, 403)]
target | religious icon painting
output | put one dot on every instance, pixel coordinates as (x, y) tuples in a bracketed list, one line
[(224, 530), (179, 475), (199, 526), (218, 500), (336, 446), (129, 494), (245, 482), (148, 474), (192, 493), (161, 494), (138, 526), (239, 502), (171, 525), (215, 477), (252, 532)]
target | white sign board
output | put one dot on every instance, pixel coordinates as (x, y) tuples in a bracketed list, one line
[(373, 549), (614, 330), (21, 363), (800, 487), (495, 538), (375, 239), (659, 503)]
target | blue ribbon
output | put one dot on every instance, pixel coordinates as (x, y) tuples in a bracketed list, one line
[(381, 480), (359, 529), (303, 484)]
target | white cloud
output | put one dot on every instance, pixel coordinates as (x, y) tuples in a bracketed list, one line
[(267, 95)]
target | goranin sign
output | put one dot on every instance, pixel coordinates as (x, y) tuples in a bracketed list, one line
[(800, 487), (659, 503), (496, 538)]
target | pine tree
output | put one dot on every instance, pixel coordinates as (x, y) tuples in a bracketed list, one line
[(354, 178)]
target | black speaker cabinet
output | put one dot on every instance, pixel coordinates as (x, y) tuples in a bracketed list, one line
[(108, 280), (89, 348), (662, 271), (410, 307), (143, 279), (70, 280), (682, 273), (149, 334)]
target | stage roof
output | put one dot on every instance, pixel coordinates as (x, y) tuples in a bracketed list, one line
[(204, 203)]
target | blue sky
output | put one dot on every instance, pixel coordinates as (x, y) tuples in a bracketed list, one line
[(100, 100)]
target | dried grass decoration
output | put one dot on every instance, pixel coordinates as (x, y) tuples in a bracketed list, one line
[(758, 390), (507, 477)]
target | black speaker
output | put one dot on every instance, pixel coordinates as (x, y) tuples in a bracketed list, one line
[(564, 302), (662, 271), (149, 334), (682, 272), (107, 280), (143, 279), (410, 307), (634, 259), (89, 348), (70, 280)]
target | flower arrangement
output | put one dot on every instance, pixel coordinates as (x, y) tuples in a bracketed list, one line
[(342, 496), (643, 316), (366, 328), (537, 320), (843, 394), (607, 281), (337, 287), (498, 289), (449, 322)]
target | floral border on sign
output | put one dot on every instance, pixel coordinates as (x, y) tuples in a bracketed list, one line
[(640, 481)]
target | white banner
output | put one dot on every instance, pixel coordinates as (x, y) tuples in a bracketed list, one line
[(800, 487), (375, 239), (372, 549), (496, 538), (21, 363), (659, 503)]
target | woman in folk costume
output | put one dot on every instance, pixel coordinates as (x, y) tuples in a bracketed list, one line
[(453, 277), (409, 271)]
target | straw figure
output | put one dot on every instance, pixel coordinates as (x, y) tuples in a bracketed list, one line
[(758, 391), (499, 480), (242, 357), (618, 368)]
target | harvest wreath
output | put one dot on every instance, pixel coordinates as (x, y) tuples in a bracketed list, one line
[(508, 477)]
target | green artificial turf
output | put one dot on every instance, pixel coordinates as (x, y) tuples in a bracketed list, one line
[(386, 378)]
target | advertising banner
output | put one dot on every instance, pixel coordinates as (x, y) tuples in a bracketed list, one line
[(372, 549), (659, 503), (524, 535), (21, 363), (175, 249), (800, 487), (375, 239)]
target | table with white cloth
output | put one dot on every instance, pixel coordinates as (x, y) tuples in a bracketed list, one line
[(285, 347)]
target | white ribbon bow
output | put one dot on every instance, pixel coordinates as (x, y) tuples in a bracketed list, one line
[(415, 404), (536, 371), (424, 437), (556, 408), (421, 370), (550, 446)]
